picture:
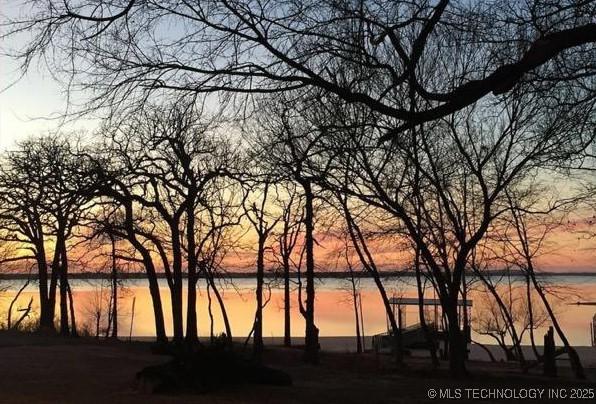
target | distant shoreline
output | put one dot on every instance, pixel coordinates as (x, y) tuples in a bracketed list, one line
[(270, 275)]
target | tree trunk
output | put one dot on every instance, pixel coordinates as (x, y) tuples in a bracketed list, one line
[(114, 292), (258, 326), (574, 360), (192, 333), (531, 319), (160, 329), (427, 332), (97, 321), (73, 322), (357, 318), (176, 291), (192, 336), (46, 315), (177, 318), (52, 293), (210, 313), (311, 354), (457, 345), (222, 305), (64, 327), (13, 301), (25, 314), (65, 292), (287, 313), (108, 329)]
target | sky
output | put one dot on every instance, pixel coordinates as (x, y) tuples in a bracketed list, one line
[(34, 95), (34, 104), (19, 104), (28, 104)]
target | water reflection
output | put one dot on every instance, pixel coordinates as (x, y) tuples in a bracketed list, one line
[(334, 310)]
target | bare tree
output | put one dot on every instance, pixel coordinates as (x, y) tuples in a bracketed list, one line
[(492, 321), (96, 309), (359, 241), (446, 182), (117, 218), (353, 290), (504, 324), (43, 192), (525, 245), (170, 163), (450, 54), (292, 217), (256, 212), (25, 312), (382, 102), (101, 222), (294, 153), (114, 289), (224, 218), (22, 220)]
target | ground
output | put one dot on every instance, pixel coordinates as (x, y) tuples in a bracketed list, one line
[(43, 369)]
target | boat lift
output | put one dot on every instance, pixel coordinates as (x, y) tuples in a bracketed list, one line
[(593, 324), (413, 336)]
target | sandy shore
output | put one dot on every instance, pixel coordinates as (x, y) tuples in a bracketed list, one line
[(348, 344), (42, 369)]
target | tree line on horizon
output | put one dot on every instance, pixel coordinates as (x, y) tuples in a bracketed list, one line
[(458, 133)]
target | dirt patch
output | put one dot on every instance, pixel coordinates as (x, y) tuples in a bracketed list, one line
[(44, 369)]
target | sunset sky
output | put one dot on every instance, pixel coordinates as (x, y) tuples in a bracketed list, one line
[(34, 104), (26, 109)]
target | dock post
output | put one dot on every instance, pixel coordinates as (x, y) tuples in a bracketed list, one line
[(550, 361)]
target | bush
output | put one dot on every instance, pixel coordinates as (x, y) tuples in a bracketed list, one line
[(207, 369)]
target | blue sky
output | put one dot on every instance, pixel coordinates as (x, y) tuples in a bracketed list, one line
[(31, 106), (26, 105)]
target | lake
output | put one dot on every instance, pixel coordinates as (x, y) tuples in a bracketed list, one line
[(334, 309)]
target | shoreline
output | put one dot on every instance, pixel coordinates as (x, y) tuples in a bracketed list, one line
[(294, 275), (347, 345)]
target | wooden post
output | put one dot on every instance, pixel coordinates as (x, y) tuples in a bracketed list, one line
[(132, 317), (436, 309), (361, 321), (550, 361), (593, 330)]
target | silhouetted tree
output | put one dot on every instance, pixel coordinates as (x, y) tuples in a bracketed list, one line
[(292, 216), (445, 182), (450, 54), (44, 196), (525, 245), (256, 211), (360, 244), (293, 154), (171, 163), (22, 193)]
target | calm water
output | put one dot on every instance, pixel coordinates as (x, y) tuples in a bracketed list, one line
[(334, 309)]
